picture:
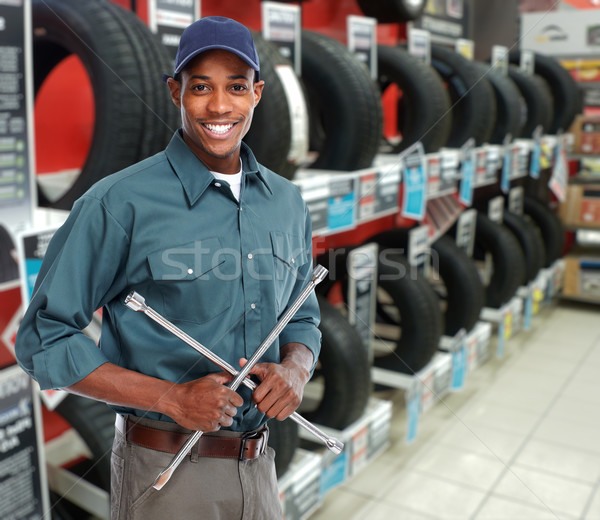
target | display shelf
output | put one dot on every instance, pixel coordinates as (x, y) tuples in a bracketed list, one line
[(299, 487), (315, 472), (507, 321)]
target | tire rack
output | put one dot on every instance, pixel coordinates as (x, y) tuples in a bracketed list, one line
[(312, 474)]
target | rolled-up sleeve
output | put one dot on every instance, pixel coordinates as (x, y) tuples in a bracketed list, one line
[(303, 327), (81, 271)]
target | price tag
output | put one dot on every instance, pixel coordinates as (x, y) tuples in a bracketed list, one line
[(168, 20), (342, 199), (536, 154), (516, 200), (465, 48), (413, 410), (500, 59), (362, 41), (560, 171), (493, 163), (414, 181), (507, 165), (366, 196), (22, 458), (360, 444), (527, 62), (419, 44), (17, 169), (501, 339), (281, 25), (528, 311), (434, 174), (465, 231), (362, 276), (459, 361), (508, 324), (32, 247), (334, 474), (419, 252), (496, 209), (467, 180), (388, 189), (316, 193)]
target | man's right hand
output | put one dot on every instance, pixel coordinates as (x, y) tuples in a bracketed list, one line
[(206, 404)]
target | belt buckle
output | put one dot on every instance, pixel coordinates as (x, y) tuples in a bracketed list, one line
[(254, 436), (242, 449)]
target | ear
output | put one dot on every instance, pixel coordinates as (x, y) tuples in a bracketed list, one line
[(258, 88), (175, 90)]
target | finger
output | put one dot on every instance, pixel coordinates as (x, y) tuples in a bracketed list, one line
[(221, 378)]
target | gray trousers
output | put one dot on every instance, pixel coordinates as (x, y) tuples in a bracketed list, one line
[(204, 488)]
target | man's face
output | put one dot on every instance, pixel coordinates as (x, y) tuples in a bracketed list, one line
[(216, 95)]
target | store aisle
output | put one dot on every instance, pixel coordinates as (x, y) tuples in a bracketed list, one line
[(520, 441)]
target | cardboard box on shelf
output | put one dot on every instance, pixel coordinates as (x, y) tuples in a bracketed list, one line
[(586, 132), (582, 277), (581, 207)]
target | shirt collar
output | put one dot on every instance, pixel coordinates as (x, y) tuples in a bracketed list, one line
[(195, 177)]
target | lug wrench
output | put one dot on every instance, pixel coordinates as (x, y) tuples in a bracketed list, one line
[(137, 303)]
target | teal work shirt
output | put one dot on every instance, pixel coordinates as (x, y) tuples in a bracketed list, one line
[(222, 271)]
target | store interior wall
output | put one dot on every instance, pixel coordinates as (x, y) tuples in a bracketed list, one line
[(494, 22)]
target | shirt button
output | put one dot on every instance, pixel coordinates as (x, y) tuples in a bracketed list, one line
[(250, 256), (253, 306), (218, 184), (190, 271), (293, 261)]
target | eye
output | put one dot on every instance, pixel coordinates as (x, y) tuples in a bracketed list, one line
[(239, 88), (199, 88)]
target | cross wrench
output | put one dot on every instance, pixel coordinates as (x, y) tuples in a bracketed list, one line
[(318, 275), (136, 302)]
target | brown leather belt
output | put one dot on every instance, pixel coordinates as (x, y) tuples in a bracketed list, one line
[(242, 448)]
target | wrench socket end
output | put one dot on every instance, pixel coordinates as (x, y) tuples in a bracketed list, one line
[(335, 445), (135, 301)]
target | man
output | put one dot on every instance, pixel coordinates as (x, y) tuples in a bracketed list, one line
[(216, 243)]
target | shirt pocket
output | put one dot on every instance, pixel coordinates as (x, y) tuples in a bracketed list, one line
[(194, 279), (289, 255)]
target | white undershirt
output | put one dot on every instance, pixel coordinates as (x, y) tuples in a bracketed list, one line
[(233, 179)]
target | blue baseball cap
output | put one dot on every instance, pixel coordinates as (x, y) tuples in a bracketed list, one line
[(216, 32)]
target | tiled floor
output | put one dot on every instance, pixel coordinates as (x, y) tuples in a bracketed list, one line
[(521, 441)]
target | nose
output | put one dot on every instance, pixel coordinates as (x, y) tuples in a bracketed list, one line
[(219, 102)]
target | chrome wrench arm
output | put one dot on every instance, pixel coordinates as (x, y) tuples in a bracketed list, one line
[(319, 274), (136, 302)]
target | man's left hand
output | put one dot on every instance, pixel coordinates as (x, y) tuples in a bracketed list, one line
[(282, 385)]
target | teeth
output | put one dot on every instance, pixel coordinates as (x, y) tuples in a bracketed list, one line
[(219, 129)]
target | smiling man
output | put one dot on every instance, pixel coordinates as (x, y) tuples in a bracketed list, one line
[(216, 243)]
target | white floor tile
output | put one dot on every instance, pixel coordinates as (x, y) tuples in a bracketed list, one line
[(500, 508), (582, 388), (575, 411), (571, 463), (386, 511), (344, 503), (571, 434), (593, 509), (484, 440), (543, 490), (432, 496), (501, 417), (529, 396), (463, 467), (539, 363)]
